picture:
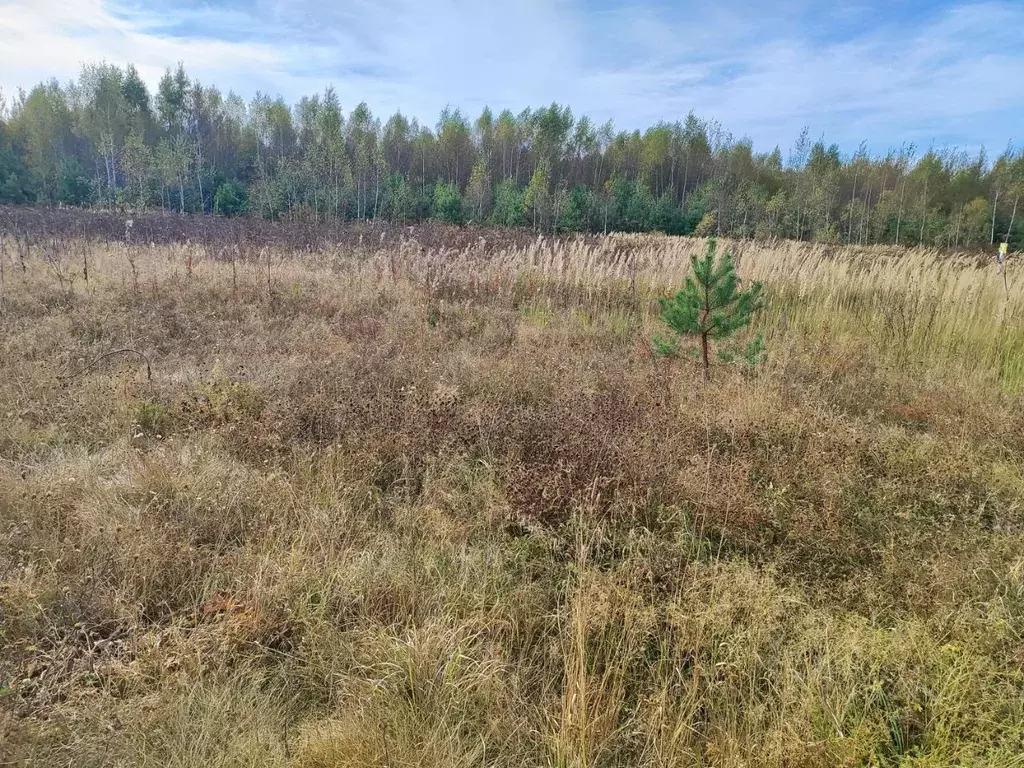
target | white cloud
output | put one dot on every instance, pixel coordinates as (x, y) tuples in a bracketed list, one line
[(959, 74), (50, 38), (761, 73)]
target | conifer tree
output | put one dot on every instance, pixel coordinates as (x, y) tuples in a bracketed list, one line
[(448, 206), (711, 304)]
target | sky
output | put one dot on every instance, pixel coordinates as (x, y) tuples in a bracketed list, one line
[(948, 73)]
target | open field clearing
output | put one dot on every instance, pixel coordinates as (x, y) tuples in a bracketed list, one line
[(399, 502)]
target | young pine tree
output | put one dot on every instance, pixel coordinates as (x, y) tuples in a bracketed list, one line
[(711, 304)]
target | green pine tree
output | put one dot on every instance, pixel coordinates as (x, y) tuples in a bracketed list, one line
[(574, 214), (711, 304), (229, 198), (448, 206), (509, 205)]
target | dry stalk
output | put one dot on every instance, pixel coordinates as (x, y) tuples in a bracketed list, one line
[(91, 366)]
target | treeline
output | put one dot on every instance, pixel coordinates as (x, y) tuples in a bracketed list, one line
[(105, 140)]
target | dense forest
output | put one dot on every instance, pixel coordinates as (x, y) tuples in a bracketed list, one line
[(105, 140)]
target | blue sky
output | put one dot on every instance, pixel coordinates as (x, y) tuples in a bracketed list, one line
[(948, 72)]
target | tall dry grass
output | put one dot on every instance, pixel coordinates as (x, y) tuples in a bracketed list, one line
[(922, 305), (410, 507)]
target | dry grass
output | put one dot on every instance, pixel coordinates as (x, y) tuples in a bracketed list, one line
[(418, 507)]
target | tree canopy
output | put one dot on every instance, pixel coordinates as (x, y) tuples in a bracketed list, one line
[(105, 140)]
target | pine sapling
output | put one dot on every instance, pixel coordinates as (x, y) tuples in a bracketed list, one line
[(749, 355), (711, 304)]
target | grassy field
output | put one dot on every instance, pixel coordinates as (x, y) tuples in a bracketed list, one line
[(424, 506)]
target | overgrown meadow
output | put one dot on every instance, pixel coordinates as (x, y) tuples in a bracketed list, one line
[(427, 498)]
